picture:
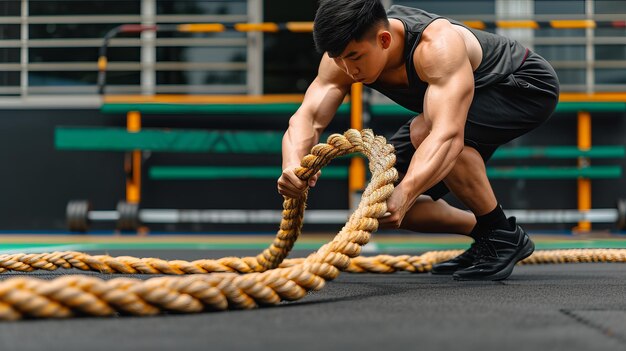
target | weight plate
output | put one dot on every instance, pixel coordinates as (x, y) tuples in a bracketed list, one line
[(621, 214), (77, 215), (128, 216)]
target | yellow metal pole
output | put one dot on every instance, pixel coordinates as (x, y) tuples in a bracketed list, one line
[(356, 172), (584, 184), (133, 179)]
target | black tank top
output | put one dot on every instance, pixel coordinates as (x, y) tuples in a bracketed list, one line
[(501, 57)]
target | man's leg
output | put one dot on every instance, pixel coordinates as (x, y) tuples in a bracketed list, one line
[(508, 109), (472, 188), (502, 242), (428, 215)]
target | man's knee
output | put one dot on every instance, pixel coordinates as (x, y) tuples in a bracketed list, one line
[(467, 168), (470, 156)]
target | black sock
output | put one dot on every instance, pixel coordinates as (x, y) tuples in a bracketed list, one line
[(495, 219)]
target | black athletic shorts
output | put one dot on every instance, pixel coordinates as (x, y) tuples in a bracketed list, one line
[(499, 113)]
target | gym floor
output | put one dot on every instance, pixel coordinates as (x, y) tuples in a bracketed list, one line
[(556, 307)]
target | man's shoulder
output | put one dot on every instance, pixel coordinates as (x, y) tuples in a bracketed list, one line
[(434, 35), (440, 50), (436, 28)]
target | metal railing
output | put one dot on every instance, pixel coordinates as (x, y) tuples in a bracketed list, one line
[(251, 69), (21, 91)]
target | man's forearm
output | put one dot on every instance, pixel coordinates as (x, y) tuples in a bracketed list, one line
[(298, 140), (431, 162)]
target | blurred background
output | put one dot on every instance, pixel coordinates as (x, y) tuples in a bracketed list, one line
[(52, 112)]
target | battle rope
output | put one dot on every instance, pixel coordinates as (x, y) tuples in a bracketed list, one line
[(66, 296), (270, 279)]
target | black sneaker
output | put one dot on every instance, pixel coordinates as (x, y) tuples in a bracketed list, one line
[(462, 261), (498, 254)]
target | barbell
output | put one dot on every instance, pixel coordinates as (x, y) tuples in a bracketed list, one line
[(80, 216), (129, 217)]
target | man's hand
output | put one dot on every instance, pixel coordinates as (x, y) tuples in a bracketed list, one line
[(397, 206), (291, 186)]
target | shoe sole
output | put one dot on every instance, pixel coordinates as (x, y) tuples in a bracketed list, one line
[(528, 250), (448, 272), (441, 273)]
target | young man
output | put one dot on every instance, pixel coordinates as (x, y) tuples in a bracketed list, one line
[(473, 91)]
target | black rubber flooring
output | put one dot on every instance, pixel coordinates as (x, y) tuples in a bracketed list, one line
[(552, 307)]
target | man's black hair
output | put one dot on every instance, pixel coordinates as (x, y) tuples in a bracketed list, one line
[(337, 22)]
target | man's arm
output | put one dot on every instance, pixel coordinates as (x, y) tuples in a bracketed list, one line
[(321, 101), (441, 60)]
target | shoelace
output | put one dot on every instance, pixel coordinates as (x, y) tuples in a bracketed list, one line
[(474, 250), (484, 250)]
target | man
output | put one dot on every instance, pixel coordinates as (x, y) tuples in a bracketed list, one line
[(473, 91)]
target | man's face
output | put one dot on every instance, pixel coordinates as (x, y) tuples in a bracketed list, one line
[(363, 60)]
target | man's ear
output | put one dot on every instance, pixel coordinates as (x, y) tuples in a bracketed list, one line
[(384, 37)]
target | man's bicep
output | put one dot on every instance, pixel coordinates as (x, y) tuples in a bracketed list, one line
[(443, 63), (449, 96), (447, 103)]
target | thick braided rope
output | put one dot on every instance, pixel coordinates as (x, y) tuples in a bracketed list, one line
[(70, 295), (375, 264), (290, 227)]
